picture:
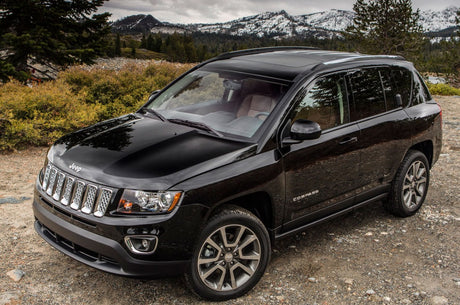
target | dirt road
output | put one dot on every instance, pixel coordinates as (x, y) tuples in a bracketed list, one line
[(366, 257)]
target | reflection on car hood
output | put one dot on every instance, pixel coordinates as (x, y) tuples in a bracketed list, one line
[(143, 153)]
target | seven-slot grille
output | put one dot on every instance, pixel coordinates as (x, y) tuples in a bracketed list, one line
[(79, 194)]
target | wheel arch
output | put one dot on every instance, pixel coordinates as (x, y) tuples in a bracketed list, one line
[(426, 147), (259, 203)]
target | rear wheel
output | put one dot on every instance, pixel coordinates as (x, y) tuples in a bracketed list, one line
[(410, 185), (230, 257)]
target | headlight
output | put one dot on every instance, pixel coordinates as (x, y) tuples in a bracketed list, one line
[(133, 202)]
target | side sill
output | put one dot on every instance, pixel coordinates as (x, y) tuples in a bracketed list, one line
[(331, 216)]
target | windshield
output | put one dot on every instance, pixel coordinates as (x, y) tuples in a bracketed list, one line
[(222, 103)]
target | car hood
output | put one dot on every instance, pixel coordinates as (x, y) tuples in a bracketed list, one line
[(143, 153)]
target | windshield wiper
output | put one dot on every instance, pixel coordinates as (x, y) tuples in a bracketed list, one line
[(155, 113), (198, 125)]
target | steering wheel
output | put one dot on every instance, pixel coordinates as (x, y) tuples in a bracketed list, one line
[(260, 114)]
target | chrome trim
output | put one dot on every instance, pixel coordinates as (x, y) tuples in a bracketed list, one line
[(81, 195), (89, 199), (129, 244), (77, 196)]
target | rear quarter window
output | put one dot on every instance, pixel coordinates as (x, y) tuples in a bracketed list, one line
[(401, 80), (420, 93)]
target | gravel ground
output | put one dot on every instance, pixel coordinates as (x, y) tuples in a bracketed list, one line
[(366, 257)]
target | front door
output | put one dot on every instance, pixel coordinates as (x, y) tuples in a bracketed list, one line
[(321, 174)]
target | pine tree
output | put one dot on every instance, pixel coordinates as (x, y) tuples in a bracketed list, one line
[(386, 27), (117, 46), (50, 32), (143, 42), (150, 44)]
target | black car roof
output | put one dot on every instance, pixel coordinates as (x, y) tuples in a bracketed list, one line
[(287, 63)]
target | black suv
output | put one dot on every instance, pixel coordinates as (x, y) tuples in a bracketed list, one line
[(243, 149)]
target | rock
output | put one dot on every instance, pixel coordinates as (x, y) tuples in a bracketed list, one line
[(13, 199), (370, 292), (439, 300), (348, 281), (8, 298), (312, 280), (369, 234), (16, 274)]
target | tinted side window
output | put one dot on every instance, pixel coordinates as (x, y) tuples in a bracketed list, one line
[(420, 93), (367, 92), (402, 79), (389, 88), (325, 102), (396, 81)]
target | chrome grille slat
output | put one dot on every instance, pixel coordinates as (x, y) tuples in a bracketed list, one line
[(90, 198), (49, 189), (67, 191), (46, 178), (81, 195), (103, 201), (77, 195), (59, 185)]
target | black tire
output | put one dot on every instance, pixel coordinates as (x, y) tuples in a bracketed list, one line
[(244, 259), (410, 185)]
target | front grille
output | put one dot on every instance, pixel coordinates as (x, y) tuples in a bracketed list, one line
[(82, 195)]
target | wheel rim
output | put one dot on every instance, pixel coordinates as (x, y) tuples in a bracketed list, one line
[(229, 257), (414, 185)]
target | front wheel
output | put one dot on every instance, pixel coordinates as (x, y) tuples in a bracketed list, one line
[(410, 185), (230, 257)]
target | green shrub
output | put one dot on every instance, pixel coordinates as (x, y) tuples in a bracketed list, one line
[(443, 89), (77, 98)]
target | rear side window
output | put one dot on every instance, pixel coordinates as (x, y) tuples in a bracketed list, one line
[(420, 93), (402, 80), (325, 102), (367, 93), (396, 81)]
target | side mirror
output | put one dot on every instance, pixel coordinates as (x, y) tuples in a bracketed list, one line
[(303, 130), (398, 99)]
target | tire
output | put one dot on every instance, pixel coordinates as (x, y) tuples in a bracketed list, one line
[(410, 186), (227, 267)]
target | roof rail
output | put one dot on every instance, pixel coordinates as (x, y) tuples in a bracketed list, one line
[(260, 50), (362, 56)]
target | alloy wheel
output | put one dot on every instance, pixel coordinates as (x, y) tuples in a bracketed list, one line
[(414, 185), (229, 257)]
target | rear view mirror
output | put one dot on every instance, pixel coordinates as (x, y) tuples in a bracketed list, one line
[(234, 85)]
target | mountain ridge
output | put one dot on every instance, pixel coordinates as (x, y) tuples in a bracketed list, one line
[(280, 24)]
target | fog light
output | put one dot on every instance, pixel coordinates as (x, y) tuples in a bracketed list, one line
[(141, 244)]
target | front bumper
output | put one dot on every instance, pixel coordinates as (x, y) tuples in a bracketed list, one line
[(98, 251)]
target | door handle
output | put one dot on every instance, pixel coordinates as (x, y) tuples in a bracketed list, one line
[(348, 140)]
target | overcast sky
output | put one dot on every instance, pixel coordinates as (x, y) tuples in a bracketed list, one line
[(210, 11)]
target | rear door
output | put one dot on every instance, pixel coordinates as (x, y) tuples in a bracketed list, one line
[(384, 125), (321, 174)]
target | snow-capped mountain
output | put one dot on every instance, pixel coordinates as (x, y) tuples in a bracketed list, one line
[(272, 24), (434, 21), (280, 24), (333, 20)]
